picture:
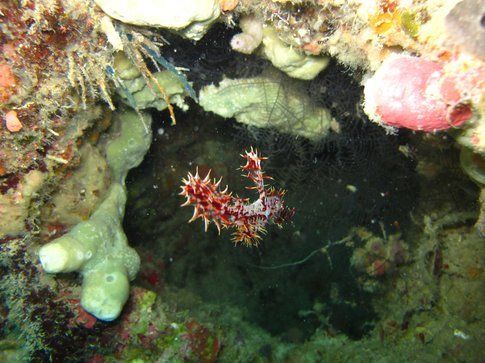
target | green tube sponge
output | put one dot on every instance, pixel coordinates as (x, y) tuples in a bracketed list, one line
[(107, 274), (105, 290), (131, 141), (98, 247)]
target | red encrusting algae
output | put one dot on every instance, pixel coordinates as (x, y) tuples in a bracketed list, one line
[(218, 206)]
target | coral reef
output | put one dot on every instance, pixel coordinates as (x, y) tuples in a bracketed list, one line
[(366, 34), (150, 332), (294, 63), (41, 311), (407, 298), (384, 260)]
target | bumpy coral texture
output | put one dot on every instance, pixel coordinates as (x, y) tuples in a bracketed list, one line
[(218, 206)]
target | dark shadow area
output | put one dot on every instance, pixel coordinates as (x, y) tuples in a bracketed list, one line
[(281, 300), (354, 177)]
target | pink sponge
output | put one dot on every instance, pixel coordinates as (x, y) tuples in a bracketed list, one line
[(413, 92)]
